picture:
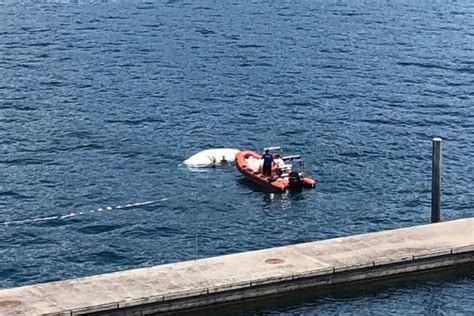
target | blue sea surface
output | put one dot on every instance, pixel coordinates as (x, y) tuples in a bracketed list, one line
[(101, 101)]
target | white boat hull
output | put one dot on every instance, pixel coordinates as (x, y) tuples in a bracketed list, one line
[(211, 157)]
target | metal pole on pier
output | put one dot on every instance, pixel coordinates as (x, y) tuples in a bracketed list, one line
[(436, 181)]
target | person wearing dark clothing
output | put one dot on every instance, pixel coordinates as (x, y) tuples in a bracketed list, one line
[(267, 163)]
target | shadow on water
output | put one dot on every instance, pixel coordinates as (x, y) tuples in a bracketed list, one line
[(346, 294)]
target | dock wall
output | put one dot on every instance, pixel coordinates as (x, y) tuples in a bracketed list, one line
[(252, 274)]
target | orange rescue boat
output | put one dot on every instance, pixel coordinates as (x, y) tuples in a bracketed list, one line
[(249, 164)]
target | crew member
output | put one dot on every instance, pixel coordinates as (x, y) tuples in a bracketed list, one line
[(267, 163)]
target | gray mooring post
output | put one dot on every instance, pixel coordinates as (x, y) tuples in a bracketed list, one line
[(436, 181)]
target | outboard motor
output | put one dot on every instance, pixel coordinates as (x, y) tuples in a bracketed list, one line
[(295, 180)]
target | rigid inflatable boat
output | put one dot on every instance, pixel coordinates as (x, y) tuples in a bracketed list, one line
[(249, 163)]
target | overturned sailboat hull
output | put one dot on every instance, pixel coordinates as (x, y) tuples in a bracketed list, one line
[(211, 157)]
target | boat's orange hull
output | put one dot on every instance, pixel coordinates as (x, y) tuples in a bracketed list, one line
[(273, 183)]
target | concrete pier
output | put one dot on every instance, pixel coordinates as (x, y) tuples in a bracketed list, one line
[(250, 274)]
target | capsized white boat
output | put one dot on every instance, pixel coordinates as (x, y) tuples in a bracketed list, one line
[(211, 157)]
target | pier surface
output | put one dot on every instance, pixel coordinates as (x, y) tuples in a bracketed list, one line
[(250, 274)]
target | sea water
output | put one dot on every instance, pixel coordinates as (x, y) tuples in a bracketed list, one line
[(101, 101)]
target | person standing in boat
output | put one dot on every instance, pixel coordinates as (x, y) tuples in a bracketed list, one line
[(267, 163)]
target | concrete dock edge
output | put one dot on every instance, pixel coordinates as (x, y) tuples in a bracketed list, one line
[(315, 279), (255, 274)]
